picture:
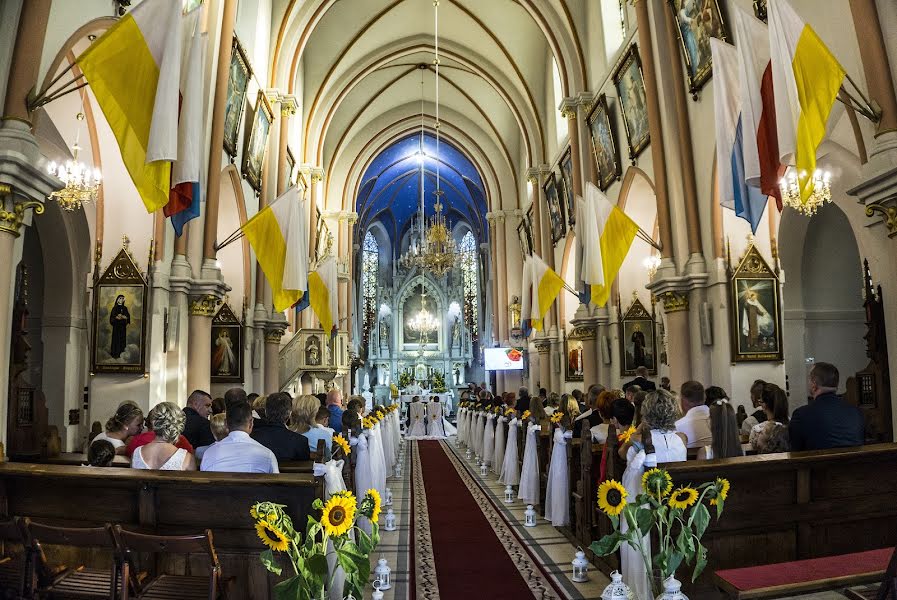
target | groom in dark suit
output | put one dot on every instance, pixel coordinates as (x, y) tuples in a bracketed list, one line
[(828, 421)]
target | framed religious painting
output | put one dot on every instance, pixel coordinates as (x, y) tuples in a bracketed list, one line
[(574, 370), (322, 236), (555, 209), (227, 346), (697, 21), (566, 165), (119, 318), (526, 242), (237, 83), (756, 315), (638, 339), (288, 177), (256, 143), (630, 85), (604, 144)]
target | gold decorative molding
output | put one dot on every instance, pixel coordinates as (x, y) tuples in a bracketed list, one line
[(11, 220), (584, 332), (204, 306), (888, 216), (543, 346), (674, 301), (273, 336), (316, 175), (289, 106)]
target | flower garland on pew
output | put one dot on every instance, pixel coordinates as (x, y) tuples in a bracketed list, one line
[(679, 518), (307, 554)]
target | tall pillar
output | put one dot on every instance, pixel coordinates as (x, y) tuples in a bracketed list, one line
[(273, 333), (586, 330), (199, 372), (675, 308), (501, 263), (655, 129), (543, 347), (568, 110), (876, 65), (558, 374), (493, 274), (26, 55)]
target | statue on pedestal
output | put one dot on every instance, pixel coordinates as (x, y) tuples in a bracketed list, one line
[(384, 333), (456, 334)]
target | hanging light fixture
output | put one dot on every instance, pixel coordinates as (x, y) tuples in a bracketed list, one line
[(822, 191), (434, 249), (81, 181), (423, 323)]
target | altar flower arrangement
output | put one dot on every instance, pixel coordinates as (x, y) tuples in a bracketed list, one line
[(405, 379), (307, 551), (343, 443), (678, 517), (438, 381)]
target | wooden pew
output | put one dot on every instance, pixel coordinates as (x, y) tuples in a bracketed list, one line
[(162, 502), (798, 505), (543, 452)]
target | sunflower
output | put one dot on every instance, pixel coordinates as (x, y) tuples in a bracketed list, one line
[(510, 412), (338, 515), (271, 536), (373, 496), (253, 514), (556, 417), (721, 487), (657, 483), (526, 415), (497, 410), (611, 497), (683, 498), (271, 517), (340, 441), (624, 437)]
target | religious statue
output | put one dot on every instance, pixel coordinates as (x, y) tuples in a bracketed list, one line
[(456, 333), (514, 309), (383, 374), (312, 351), (384, 332)]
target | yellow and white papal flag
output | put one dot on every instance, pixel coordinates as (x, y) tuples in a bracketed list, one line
[(546, 285), (322, 293)]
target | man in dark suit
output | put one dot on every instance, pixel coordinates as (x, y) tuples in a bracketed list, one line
[(272, 433), (197, 428), (828, 421), (641, 380), (523, 400)]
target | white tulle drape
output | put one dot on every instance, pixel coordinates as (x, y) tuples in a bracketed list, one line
[(529, 475), (557, 500), (510, 468)]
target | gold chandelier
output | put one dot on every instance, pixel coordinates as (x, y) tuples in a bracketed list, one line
[(81, 181), (822, 191), (436, 251)]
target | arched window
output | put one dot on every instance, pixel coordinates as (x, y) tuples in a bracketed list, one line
[(370, 263), (613, 21), (471, 285)]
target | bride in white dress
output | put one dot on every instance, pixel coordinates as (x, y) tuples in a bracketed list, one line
[(659, 414), (167, 420), (417, 419)]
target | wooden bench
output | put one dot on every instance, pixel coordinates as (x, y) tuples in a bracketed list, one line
[(164, 503), (802, 576)]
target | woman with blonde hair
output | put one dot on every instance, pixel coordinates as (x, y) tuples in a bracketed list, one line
[(302, 420), (125, 423), (167, 420)]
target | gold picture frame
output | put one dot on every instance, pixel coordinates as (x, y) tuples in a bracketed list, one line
[(638, 339), (756, 310), (555, 209), (696, 22), (226, 356), (604, 144), (629, 82), (256, 144), (240, 73)]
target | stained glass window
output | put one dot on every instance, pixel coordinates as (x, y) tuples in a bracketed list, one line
[(470, 279), (370, 262)]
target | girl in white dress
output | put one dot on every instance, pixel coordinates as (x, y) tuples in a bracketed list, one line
[(529, 472), (478, 434), (364, 476), (655, 442), (500, 436), (378, 464), (489, 446), (557, 493), (167, 420)]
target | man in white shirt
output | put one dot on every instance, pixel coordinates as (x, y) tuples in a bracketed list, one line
[(239, 453), (696, 422)]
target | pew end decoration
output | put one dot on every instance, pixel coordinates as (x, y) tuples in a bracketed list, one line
[(335, 532), (674, 520)]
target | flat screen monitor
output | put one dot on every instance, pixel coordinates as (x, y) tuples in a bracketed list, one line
[(503, 359)]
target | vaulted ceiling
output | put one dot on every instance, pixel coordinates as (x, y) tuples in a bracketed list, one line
[(357, 68)]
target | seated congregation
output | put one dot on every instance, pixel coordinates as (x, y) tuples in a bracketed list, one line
[(147, 528), (806, 503)]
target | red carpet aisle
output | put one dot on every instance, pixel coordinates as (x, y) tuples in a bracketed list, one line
[(459, 552)]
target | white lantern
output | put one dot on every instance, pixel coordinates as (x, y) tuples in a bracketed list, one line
[(469, 454), (377, 595), (580, 567), (529, 516), (398, 469), (382, 572), (509, 494), (388, 501), (390, 521), (616, 589), (672, 589), (483, 468)]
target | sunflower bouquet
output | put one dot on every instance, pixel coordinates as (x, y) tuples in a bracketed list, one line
[(526, 415), (556, 417), (343, 444), (678, 518), (307, 552), (510, 412)]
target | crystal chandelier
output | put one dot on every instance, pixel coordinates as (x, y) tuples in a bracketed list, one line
[(436, 251), (423, 323), (822, 191), (81, 181)]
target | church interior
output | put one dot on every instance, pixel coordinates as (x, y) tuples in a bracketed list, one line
[(416, 299)]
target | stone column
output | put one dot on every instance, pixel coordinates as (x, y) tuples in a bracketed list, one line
[(655, 130), (568, 110), (558, 375), (199, 371), (273, 333), (543, 347), (586, 330), (675, 307), (493, 274), (875, 62), (501, 262), (26, 55)]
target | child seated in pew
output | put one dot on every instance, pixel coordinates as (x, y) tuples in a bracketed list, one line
[(322, 420), (723, 427), (101, 453)]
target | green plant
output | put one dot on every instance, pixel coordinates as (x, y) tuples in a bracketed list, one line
[(405, 379), (308, 553), (438, 381), (679, 518)]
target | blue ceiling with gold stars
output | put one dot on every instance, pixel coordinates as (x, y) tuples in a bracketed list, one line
[(390, 188)]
